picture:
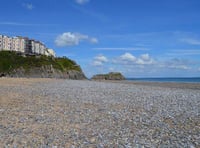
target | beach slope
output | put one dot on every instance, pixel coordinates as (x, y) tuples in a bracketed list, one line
[(81, 113)]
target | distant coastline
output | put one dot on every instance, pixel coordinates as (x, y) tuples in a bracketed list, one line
[(168, 79)]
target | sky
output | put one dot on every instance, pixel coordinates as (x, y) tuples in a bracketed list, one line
[(139, 38)]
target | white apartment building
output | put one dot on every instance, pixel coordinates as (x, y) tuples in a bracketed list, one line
[(24, 45), (50, 52), (38, 47), (19, 44), (5, 43), (1, 42), (34, 47)]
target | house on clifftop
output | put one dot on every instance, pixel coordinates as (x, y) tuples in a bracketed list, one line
[(24, 45)]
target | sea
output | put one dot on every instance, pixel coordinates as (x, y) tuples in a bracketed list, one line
[(180, 80)]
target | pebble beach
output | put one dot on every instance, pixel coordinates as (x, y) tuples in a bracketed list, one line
[(57, 113)]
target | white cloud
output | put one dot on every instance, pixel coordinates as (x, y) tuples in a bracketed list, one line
[(97, 63), (93, 40), (176, 63), (28, 6), (191, 41), (111, 69), (81, 2), (70, 39), (128, 57), (145, 59), (145, 62), (145, 65), (99, 60), (183, 67)]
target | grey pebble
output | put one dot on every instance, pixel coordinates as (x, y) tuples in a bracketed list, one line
[(74, 114)]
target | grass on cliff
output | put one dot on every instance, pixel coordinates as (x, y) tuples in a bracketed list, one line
[(109, 76), (10, 60)]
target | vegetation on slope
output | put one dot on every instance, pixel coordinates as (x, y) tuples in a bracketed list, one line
[(10, 60), (109, 76)]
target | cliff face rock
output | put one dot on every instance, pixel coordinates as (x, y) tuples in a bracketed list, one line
[(38, 66), (109, 76), (46, 72)]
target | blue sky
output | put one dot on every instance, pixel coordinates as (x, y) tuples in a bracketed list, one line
[(140, 38)]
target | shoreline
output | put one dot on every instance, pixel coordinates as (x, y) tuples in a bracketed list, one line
[(181, 85)]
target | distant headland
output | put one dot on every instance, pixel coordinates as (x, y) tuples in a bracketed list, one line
[(109, 76)]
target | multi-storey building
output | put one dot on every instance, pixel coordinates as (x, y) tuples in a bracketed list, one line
[(1, 42), (24, 45), (5, 42), (18, 44), (38, 47), (50, 52)]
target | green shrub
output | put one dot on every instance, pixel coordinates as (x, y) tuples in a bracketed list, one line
[(10, 60)]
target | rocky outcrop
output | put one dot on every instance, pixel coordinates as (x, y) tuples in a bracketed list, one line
[(13, 64), (109, 76), (46, 72)]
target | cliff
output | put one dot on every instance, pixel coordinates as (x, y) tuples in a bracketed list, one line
[(109, 76), (13, 64)]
